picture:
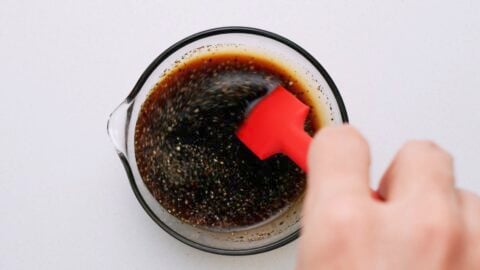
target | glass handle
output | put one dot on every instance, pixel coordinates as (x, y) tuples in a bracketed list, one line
[(117, 127)]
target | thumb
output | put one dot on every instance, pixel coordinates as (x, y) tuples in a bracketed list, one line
[(339, 160)]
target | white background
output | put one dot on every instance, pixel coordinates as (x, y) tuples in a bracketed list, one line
[(406, 69)]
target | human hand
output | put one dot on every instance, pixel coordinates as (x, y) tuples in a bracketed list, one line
[(421, 222)]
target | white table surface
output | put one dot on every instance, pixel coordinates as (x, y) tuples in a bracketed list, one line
[(406, 69)]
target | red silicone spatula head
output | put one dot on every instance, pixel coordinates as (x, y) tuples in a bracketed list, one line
[(274, 125)]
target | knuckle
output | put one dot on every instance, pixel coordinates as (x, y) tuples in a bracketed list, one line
[(424, 146), (424, 150), (406, 151), (414, 147), (446, 231)]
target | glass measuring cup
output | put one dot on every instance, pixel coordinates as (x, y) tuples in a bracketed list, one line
[(278, 230)]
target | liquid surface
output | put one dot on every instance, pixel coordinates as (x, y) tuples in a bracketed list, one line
[(187, 152)]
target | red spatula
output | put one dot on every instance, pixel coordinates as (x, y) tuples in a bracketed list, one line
[(276, 125)]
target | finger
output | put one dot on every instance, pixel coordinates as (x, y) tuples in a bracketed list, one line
[(420, 168), (470, 206), (339, 161)]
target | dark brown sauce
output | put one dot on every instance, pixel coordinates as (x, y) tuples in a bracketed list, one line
[(187, 152)]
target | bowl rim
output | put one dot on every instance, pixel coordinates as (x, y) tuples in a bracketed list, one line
[(149, 70)]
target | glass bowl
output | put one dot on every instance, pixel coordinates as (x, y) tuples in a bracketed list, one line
[(278, 230)]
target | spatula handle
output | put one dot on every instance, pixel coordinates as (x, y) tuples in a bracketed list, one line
[(296, 146)]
